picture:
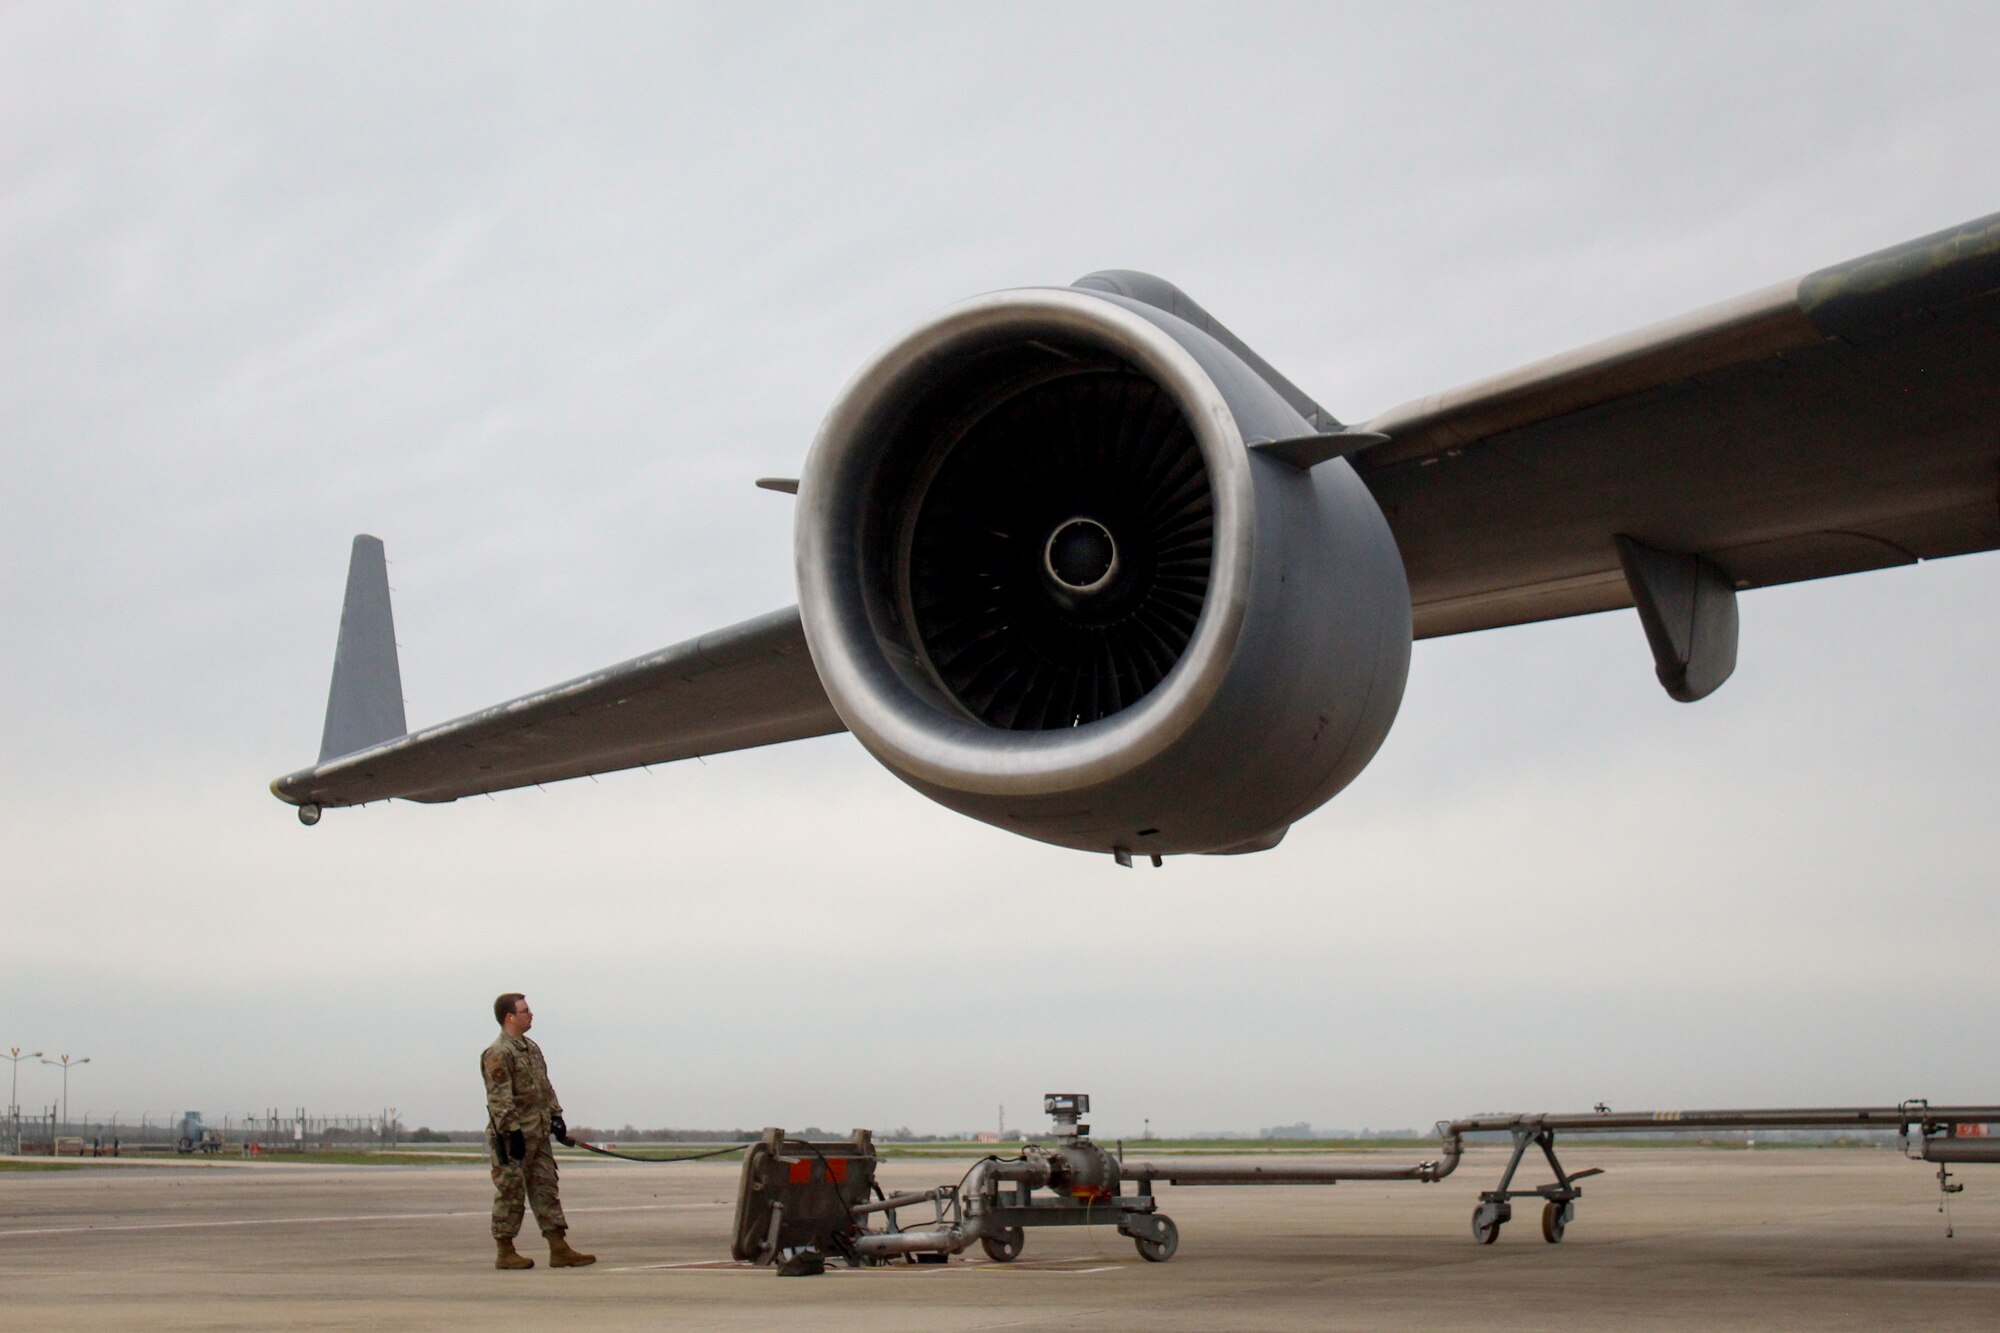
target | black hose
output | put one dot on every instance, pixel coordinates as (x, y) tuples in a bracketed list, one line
[(628, 1157)]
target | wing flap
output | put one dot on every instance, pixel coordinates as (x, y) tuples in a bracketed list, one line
[(748, 685)]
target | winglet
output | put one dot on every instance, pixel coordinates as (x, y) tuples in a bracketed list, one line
[(364, 707)]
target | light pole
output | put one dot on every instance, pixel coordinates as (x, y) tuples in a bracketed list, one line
[(64, 1064), (14, 1094)]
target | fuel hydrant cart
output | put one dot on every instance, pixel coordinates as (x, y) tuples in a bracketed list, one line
[(800, 1196), (797, 1194)]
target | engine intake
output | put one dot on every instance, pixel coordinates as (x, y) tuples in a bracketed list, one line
[(1045, 582), (1060, 556)]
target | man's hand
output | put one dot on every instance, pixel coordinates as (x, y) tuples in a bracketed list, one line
[(560, 1130), (517, 1143)]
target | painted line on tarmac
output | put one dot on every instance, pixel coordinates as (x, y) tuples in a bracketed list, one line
[(737, 1265), (697, 1266), (346, 1217)]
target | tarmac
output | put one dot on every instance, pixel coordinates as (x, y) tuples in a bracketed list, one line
[(1775, 1238)]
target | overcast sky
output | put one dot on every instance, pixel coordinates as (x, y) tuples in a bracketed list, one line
[(534, 293)]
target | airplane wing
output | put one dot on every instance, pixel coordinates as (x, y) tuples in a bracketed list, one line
[(1845, 421), (750, 684)]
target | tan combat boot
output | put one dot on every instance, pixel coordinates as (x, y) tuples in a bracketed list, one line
[(562, 1256), (509, 1257)]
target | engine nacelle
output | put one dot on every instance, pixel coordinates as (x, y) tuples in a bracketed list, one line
[(1048, 584)]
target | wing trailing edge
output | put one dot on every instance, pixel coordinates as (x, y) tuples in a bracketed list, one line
[(1840, 422)]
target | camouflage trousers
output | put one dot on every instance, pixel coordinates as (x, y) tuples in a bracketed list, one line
[(532, 1183)]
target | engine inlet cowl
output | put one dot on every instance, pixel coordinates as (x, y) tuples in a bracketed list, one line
[(1033, 552)]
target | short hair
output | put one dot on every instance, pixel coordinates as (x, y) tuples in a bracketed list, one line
[(505, 1005)]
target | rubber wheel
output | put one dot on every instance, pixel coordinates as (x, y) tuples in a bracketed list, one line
[(1485, 1229), (1004, 1248), (1553, 1221), (1159, 1251)]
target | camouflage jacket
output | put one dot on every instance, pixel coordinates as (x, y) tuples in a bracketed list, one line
[(518, 1092)]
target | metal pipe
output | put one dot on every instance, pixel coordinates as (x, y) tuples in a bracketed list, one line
[(882, 1245), (900, 1201), (975, 1194), (1218, 1173), (1454, 1147), (1033, 1170), (1291, 1173), (1811, 1117), (1962, 1150)]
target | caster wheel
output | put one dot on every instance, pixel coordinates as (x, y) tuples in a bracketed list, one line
[(1005, 1247), (1161, 1250), (1486, 1224), (1555, 1216)]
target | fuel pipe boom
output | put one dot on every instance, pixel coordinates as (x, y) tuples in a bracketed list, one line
[(996, 1201), (802, 1198)]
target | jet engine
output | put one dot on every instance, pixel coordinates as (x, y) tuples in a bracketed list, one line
[(1069, 563)]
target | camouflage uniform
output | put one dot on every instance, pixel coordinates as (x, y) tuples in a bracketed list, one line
[(519, 1096)]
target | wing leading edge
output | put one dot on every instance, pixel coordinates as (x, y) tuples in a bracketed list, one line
[(1845, 421)]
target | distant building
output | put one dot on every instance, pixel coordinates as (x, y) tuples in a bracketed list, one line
[(1301, 1130)]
